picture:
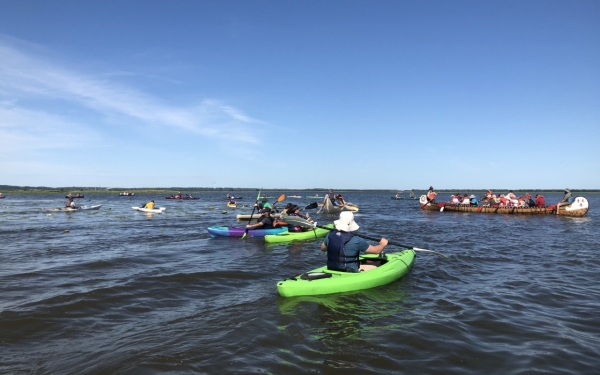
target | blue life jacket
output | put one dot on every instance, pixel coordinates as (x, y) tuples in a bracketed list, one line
[(474, 202), (336, 257)]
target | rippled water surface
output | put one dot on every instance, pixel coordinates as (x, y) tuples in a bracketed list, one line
[(117, 291)]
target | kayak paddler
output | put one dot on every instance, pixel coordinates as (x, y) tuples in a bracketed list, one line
[(149, 205), (264, 221), (343, 247)]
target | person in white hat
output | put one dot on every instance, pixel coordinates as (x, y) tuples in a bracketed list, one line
[(343, 247)]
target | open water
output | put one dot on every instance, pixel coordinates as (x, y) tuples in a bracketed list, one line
[(123, 292)]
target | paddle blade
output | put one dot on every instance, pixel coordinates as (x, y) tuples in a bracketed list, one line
[(311, 206), (281, 197), (258, 196)]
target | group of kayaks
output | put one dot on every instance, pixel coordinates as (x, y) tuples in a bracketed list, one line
[(389, 267)]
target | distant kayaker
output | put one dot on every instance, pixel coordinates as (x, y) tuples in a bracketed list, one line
[(343, 247), (71, 204), (264, 204), (149, 205), (178, 196), (264, 221), (431, 195), (69, 195), (566, 198), (397, 195)]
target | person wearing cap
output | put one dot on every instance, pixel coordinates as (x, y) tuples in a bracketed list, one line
[(263, 204), (473, 200), (149, 205), (343, 247), (566, 198), (431, 195), (264, 221)]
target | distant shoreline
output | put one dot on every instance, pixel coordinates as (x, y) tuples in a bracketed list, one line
[(7, 189)]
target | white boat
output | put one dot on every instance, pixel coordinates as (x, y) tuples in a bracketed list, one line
[(329, 208), (158, 210), (294, 196), (256, 215), (69, 209)]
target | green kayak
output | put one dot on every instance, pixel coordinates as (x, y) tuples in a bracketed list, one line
[(298, 236), (314, 196), (323, 281)]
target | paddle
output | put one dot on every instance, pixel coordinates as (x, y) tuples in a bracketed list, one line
[(311, 206), (303, 223), (252, 214)]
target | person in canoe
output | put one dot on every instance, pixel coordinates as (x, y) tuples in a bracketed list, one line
[(69, 195), (78, 195), (431, 195), (264, 221), (540, 201), (263, 204), (340, 200), (149, 205), (397, 195), (71, 204), (567, 198), (343, 247)]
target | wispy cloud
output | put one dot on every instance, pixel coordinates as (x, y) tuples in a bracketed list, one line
[(26, 75)]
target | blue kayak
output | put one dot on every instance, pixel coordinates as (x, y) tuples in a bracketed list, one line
[(239, 231)]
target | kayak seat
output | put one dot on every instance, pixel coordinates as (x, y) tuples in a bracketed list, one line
[(366, 267)]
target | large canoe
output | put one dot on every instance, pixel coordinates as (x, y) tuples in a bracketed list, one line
[(298, 236), (390, 267), (578, 208)]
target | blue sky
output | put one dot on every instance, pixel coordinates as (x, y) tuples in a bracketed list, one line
[(300, 94)]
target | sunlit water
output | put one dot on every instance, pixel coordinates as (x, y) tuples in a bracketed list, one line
[(117, 291)]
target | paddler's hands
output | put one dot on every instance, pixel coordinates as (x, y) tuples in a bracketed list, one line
[(383, 242)]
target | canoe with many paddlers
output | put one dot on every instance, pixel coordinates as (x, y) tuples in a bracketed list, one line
[(577, 208)]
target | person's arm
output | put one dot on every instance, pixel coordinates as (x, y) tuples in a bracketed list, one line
[(323, 246), (376, 249)]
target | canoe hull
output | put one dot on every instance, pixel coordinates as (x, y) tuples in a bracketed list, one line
[(298, 236), (578, 208), (329, 208), (396, 266), (150, 211), (217, 231), (81, 208), (256, 215)]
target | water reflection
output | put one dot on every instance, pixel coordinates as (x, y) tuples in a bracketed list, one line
[(348, 316)]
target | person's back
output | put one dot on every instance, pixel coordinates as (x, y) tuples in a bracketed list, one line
[(149, 205), (69, 203), (343, 249), (540, 201), (466, 200), (473, 200)]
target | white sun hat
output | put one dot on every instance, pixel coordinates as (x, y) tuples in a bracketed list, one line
[(346, 222)]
